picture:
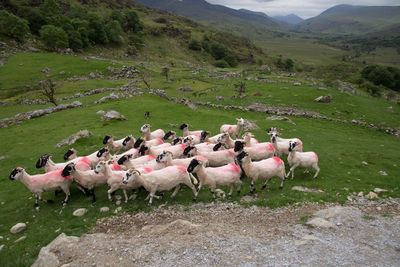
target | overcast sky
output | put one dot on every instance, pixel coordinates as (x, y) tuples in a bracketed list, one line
[(302, 8)]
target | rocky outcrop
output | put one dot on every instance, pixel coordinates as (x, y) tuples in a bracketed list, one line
[(73, 138)]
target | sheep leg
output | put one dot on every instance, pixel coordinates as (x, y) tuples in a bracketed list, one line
[(37, 198), (230, 191), (316, 167), (213, 191), (252, 187), (238, 187), (126, 195), (265, 185), (93, 195), (110, 193), (191, 186), (67, 195), (176, 191), (58, 191), (292, 170)]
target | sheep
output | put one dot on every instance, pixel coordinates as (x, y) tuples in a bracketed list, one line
[(170, 135), (118, 145), (152, 142), (257, 152), (162, 180), (86, 180), (185, 130), (133, 152), (215, 158), (282, 144), (46, 161), (176, 150), (37, 184), (226, 175), (207, 147), (167, 159), (205, 137), (226, 140), (129, 162), (148, 135), (233, 130), (301, 159), (70, 154), (191, 140), (264, 169), (249, 139)]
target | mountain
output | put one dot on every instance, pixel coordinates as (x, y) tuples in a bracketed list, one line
[(291, 19), (217, 15), (348, 19)]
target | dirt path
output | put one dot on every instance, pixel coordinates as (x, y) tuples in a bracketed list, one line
[(227, 234)]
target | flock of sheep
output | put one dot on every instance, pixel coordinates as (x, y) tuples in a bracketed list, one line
[(161, 161)]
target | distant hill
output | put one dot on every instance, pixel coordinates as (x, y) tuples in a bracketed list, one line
[(348, 19), (291, 19), (220, 16)]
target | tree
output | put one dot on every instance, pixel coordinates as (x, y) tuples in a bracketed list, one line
[(54, 37), (132, 23), (240, 88), (194, 45), (48, 90), (165, 72), (13, 26), (114, 32)]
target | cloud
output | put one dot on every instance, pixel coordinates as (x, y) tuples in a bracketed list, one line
[(302, 8)]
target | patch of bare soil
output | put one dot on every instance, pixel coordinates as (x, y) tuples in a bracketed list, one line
[(228, 234)]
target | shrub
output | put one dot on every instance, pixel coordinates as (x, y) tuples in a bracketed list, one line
[(114, 32), (373, 90), (13, 26), (218, 51), (132, 23), (382, 75), (75, 40), (221, 64), (194, 45), (53, 37), (231, 60)]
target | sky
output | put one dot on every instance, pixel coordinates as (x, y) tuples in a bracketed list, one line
[(302, 8)]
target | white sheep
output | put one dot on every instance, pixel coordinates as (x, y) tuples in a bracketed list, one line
[(185, 130), (70, 154), (119, 145), (129, 162), (215, 158), (258, 151), (133, 152), (147, 134), (162, 180), (176, 150), (191, 140), (86, 180), (228, 175), (233, 130), (167, 159), (205, 137), (249, 139), (282, 144), (37, 184), (153, 142), (169, 136), (83, 163), (301, 159), (261, 170)]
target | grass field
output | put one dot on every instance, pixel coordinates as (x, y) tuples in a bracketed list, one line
[(341, 147)]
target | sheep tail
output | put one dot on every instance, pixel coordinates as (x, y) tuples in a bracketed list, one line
[(193, 179)]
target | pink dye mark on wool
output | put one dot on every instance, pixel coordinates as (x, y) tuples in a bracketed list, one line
[(147, 170), (116, 167), (234, 168), (181, 169), (85, 160), (183, 146), (159, 141), (150, 157), (270, 147), (277, 161)]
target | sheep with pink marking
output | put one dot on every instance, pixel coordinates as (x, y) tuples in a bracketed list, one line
[(228, 175), (147, 134), (256, 152), (233, 130), (261, 170), (185, 131), (162, 180), (301, 159), (215, 158), (40, 183), (282, 144)]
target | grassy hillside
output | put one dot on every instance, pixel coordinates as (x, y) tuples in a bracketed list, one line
[(341, 147)]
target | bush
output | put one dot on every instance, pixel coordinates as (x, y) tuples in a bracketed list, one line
[(132, 50), (75, 40), (53, 37), (231, 60), (221, 64), (195, 45), (218, 51), (13, 26), (382, 75), (132, 23), (97, 30), (373, 90), (114, 32)]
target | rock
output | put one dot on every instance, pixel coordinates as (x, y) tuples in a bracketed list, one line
[(323, 99), (220, 193), (297, 83), (346, 88), (257, 94), (372, 195), (379, 190), (18, 228), (79, 212), (310, 237), (300, 242), (1, 247), (117, 210), (185, 89), (247, 199), (383, 173), (118, 197), (73, 138), (360, 194), (364, 163), (48, 254), (307, 190), (110, 115), (104, 209), (20, 239), (337, 213), (61, 72), (219, 97), (320, 223), (118, 202), (46, 70)]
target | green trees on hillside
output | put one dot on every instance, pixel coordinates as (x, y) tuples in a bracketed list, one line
[(53, 37), (13, 26), (383, 75)]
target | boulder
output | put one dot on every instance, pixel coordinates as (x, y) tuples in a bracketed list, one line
[(47, 255), (307, 190), (372, 195), (320, 223), (18, 228), (104, 209), (110, 115), (73, 138), (323, 99), (79, 212)]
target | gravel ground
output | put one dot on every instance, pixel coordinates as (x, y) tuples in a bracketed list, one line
[(227, 234)]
